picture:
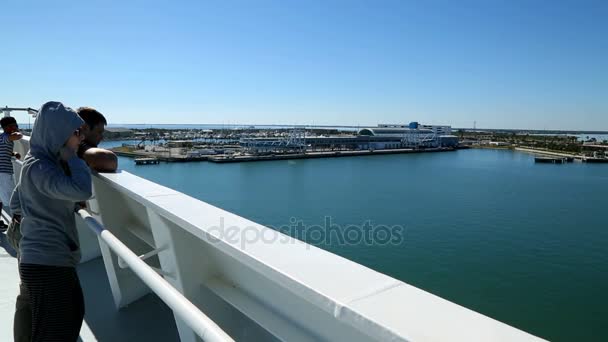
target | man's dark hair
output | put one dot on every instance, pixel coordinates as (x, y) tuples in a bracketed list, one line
[(91, 116), (8, 120)]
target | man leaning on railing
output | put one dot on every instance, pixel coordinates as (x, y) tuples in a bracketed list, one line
[(98, 159)]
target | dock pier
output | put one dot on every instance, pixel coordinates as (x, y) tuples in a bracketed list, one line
[(145, 158), (551, 160), (146, 161), (315, 155)]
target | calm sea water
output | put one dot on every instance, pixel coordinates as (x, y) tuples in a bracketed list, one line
[(523, 243)]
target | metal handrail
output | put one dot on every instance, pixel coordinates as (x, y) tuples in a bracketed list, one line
[(202, 325)]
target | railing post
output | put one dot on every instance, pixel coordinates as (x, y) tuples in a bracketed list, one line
[(185, 276), (192, 317), (126, 287)]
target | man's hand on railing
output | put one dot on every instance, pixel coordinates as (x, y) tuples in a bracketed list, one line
[(80, 205), (15, 136)]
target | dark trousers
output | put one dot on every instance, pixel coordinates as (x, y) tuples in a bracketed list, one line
[(22, 324), (56, 302)]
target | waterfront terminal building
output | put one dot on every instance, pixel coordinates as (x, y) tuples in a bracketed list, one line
[(384, 136)]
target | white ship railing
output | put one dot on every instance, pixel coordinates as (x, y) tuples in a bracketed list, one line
[(202, 325), (257, 289)]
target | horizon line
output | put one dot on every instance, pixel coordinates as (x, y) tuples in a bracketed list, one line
[(362, 126), (600, 132)]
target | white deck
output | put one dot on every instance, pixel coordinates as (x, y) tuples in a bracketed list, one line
[(255, 290)]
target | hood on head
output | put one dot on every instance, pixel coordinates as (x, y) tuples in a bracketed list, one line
[(54, 124)]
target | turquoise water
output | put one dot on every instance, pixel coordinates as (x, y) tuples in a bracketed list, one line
[(520, 242)]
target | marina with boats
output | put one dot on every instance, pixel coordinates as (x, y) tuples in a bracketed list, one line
[(260, 143), (295, 143)]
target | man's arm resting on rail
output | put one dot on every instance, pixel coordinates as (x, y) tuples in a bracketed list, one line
[(100, 160)]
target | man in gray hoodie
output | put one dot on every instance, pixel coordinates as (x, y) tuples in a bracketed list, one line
[(53, 179)]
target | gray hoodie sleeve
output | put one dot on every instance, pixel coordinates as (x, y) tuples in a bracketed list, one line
[(55, 184), (15, 203)]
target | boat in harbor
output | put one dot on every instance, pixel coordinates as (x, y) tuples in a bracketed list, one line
[(146, 161), (550, 160), (597, 158)]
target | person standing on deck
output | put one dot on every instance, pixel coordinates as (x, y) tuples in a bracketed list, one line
[(98, 159), (53, 180), (7, 183)]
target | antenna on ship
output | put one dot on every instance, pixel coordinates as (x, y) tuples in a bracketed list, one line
[(31, 111)]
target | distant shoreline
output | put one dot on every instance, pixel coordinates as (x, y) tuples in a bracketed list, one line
[(219, 126), (349, 127)]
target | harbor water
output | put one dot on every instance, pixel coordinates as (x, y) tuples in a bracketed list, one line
[(491, 230)]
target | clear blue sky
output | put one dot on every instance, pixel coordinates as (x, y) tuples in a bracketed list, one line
[(510, 64)]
